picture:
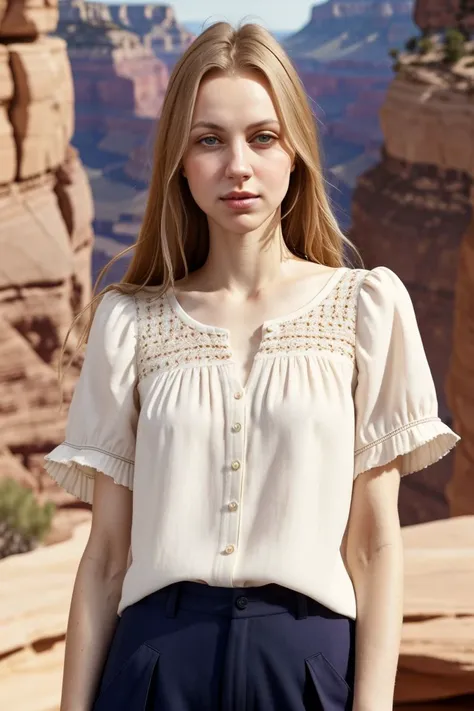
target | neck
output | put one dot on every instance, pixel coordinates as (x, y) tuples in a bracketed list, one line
[(248, 262)]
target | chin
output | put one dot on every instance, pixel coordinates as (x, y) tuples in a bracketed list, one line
[(239, 223), (243, 223)]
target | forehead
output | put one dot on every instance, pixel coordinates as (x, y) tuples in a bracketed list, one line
[(243, 98)]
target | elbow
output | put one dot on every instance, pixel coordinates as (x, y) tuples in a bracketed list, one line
[(386, 556), (109, 566)]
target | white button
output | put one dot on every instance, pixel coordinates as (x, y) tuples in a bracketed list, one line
[(229, 549), (236, 427), (232, 505), (235, 465), (269, 329), (238, 395)]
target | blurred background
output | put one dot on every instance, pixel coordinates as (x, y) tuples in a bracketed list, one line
[(391, 84)]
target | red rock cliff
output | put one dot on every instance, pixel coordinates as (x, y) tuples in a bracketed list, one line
[(440, 14), (45, 235), (156, 24), (411, 212), (119, 83)]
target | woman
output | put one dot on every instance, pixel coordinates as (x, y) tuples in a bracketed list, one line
[(261, 400)]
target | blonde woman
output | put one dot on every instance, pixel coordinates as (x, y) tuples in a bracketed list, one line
[(245, 410)]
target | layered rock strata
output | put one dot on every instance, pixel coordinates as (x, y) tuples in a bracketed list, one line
[(154, 22), (45, 237), (119, 83), (410, 212), (438, 15), (437, 648), (356, 31), (26, 19), (342, 58)]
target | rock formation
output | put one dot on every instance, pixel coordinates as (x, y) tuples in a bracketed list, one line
[(119, 83), (410, 213), (45, 237), (440, 14), (437, 647), (342, 58), (460, 381), (361, 30), (156, 25), (26, 19)]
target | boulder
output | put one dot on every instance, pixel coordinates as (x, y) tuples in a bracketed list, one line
[(437, 649)]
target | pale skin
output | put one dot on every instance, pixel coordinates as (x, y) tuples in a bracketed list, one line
[(248, 278)]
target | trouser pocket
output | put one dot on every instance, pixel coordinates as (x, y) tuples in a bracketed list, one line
[(332, 690), (131, 688)]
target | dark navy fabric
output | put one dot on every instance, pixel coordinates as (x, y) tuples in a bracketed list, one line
[(192, 647)]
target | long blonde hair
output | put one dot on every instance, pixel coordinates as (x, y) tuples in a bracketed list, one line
[(174, 237)]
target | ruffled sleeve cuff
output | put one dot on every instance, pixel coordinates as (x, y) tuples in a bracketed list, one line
[(75, 467), (420, 443)]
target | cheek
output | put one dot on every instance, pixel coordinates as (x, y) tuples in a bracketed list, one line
[(276, 173), (199, 174)]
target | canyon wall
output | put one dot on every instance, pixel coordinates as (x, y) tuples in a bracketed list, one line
[(45, 237), (412, 212), (358, 31), (440, 14), (342, 58), (119, 82), (156, 24)]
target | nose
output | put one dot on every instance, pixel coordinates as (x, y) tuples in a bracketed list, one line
[(238, 161)]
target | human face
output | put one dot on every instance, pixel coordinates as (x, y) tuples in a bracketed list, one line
[(236, 146)]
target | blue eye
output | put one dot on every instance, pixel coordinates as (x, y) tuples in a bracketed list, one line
[(211, 141), (266, 135), (208, 138)]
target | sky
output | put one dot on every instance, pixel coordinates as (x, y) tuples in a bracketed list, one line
[(273, 14)]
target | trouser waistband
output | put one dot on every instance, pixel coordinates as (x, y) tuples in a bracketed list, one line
[(238, 602), (248, 601)]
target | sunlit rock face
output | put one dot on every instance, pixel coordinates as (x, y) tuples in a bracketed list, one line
[(411, 212), (45, 237)]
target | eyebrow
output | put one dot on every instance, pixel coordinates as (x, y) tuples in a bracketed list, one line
[(217, 127)]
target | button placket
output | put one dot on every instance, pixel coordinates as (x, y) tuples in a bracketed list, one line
[(235, 467)]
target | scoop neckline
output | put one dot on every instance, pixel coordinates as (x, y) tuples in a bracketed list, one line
[(324, 291)]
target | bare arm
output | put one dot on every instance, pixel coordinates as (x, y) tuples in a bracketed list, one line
[(96, 594), (374, 558)]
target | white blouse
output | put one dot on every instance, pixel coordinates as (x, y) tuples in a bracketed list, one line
[(247, 486)]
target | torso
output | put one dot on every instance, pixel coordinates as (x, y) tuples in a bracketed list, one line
[(301, 383)]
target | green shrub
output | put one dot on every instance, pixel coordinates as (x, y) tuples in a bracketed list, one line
[(23, 520), (454, 45), (425, 45)]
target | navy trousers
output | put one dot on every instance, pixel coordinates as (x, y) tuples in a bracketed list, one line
[(193, 647)]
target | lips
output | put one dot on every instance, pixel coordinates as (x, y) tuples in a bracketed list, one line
[(239, 196)]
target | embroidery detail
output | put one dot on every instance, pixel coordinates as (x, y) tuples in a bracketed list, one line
[(165, 341), (329, 326)]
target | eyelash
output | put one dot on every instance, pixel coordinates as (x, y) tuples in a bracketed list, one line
[(268, 143)]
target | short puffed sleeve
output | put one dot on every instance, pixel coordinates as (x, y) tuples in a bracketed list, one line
[(396, 408), (103, 414)]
